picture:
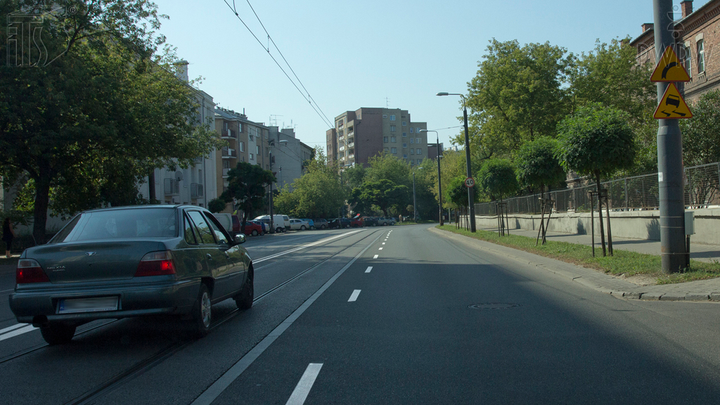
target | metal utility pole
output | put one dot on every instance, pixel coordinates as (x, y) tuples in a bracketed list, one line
[(670, 166), (471, 201), (439, 155), (414, 201), (272, 224)]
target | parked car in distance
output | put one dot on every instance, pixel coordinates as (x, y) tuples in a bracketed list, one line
[(339, 223), (386, 221), (253, 228), (298, 224), (265, 225), (311, 223), (356, 222), (370, 221), (280, 222), (122, 262), (320, 223)]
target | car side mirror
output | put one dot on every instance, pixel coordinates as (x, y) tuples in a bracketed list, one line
[(239, 238)]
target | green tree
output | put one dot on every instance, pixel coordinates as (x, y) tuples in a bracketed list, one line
[(497, 178), (596, 141), (247, 184), (384, 194), (317, 194), (701, 134), (216, 205), (519, 93), (89, 119), (537, 166), (611, 75)]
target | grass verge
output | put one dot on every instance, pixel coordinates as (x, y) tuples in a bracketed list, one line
[(622, 263)]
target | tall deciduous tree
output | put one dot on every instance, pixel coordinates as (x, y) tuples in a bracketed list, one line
[(247, 184), (537, 166), (497, 178), (596, 141), (518, 94), (384, 194), (91, 104)]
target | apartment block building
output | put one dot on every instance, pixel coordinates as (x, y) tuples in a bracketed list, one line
[(364, 133), (247, 142), (289, 154), (698, 34)]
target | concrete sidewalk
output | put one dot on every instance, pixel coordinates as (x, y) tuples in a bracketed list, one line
[(702, 290)]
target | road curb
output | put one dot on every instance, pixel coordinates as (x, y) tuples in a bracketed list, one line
[(596, 283)]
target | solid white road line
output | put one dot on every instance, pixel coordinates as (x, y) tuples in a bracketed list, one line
[(8, 329), (17, 332), (305, 384), (262, 259), (354, 296), (369, 269), (376, 256), (207, 397)]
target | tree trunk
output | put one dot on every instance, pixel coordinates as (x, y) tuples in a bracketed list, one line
[(602, 228), (42, 201)]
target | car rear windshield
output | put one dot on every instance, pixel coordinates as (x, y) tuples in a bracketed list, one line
[(120, 224)]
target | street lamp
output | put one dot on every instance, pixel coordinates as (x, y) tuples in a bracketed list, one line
[(270, 199), (440, 211), (414, 202), (467, 157)]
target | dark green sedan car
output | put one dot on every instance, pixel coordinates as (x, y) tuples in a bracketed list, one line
[(128, 262)]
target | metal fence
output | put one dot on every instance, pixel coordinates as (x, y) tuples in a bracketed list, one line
[(702, 189)]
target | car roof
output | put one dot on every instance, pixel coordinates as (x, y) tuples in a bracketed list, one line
[(145, 206)]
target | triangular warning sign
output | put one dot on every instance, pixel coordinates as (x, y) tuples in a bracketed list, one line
[(672, 105), (669, 68)]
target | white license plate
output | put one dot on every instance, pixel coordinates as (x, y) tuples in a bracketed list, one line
[(94, 304)]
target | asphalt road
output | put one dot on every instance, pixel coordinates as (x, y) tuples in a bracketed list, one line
[(383, 316)]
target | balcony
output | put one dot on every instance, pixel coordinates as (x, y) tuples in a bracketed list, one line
[(225, 173), (228, 153), (228, 134), (196, 190), (172, 186), (342, 148), (350, 144)]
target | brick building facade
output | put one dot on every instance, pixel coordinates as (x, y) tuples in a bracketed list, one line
[(698, 37)]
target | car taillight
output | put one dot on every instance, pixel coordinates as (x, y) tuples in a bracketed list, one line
[(155, 264), (29, 271)]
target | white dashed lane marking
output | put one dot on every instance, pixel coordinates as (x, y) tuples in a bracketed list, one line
[(369, 269), (354, 296), (305, 384)]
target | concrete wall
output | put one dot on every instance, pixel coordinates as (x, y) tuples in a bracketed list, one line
[(633, 224)]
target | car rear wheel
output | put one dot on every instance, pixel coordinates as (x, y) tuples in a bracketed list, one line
[(57, 333), (244, 300), (254, 232), (202, 313), (302, 227)]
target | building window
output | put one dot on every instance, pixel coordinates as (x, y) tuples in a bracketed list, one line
[(404, 145), (412, 140), (239, 127), (412, 151), (687, 60), (387, 149), (419, 151), (393, 150), (417, 140), (392, 118), (392, 128), (385, 139), (404, 134), (405, 156), (242, 146), (701, 56), (252, 157), (404, 123), (257, 149), (411, 130)]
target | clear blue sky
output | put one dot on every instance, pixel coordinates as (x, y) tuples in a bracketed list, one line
[(352, 54)]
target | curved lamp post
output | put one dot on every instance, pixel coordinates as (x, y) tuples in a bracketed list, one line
[(471, 203)]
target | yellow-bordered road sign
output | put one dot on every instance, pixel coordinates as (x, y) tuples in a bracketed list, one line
[(669, 68), (672, 106)]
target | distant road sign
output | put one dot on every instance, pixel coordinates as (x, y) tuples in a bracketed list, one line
[(669, 68), (672, 105), (469, 182)]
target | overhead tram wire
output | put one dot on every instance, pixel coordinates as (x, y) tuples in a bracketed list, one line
[(286, 62), (307, 97)]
